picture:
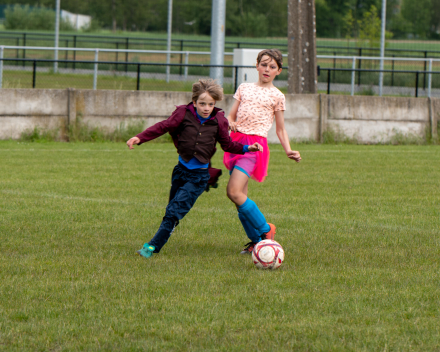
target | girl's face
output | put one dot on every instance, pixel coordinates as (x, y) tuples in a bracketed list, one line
[(204, 105), (267, 69)]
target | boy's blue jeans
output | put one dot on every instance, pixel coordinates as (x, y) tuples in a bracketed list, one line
[(186, 186)]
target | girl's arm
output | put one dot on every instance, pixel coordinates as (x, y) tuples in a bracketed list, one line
[(284, 138), (232, 117)]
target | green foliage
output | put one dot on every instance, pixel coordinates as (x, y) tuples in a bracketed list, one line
[(38, 18), (40, 135), (336, 136), (370, 28), (404, 17), (249, 18), (399, 138), (249, 25), (93, 27), (349, 29), (83, 132), (367, 91), (418, 14)]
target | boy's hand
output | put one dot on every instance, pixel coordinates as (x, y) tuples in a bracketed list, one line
[(256, 147), (133, 140), (294, 155)]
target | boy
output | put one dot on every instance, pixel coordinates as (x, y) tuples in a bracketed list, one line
[(195, 129)]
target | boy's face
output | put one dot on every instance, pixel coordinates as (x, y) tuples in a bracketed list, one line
[(267, 69), (204, 105)]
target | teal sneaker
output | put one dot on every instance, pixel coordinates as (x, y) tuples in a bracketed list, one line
[(146, 251)]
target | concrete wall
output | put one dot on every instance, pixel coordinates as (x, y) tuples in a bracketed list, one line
[(368, 119), (23, 109)]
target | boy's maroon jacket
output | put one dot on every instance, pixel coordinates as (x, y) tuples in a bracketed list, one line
[(193, 139)]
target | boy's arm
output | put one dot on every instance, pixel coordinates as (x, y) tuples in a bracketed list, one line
[(160, 128), (284, 138)]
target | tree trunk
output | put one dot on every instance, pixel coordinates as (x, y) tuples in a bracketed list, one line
[(114, 16), (301, 34)]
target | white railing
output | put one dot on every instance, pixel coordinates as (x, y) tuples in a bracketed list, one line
[(96, 51), (353, 59), (371, 58)]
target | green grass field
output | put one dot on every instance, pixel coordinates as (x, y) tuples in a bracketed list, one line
[(360, 226)]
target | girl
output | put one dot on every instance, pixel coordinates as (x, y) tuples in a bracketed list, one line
[(195, 129), (250, 119)]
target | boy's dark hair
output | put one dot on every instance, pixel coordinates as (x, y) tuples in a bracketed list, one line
[(272, 53), (207, 86)]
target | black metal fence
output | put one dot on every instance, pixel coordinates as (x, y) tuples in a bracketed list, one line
[(132, 42), (160, 76), (328, 76)]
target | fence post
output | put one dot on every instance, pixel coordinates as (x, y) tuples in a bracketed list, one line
[(24, 50), (323, 115), (424, 69), (117, 48), (328, 81), (417, 84), (95, 71), (1, 66), (74, 51), (181, 57), (34, 73), (138, 76), (236, 78), (67, 53), (186, 67), (334, 65), (433, 121), (359, 66), (126, 54), (392, 73), (353, 73), (430, 78)]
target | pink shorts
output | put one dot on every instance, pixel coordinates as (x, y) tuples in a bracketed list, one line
[(254, 164)]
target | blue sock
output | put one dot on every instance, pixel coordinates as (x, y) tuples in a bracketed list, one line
[(254, 216), (253, 234)]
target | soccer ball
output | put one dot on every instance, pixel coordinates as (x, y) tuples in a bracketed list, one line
[(268, 254)]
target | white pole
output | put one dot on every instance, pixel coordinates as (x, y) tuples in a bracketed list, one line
[(382, 44), (186, 67), (430, 78), (57, 34), (170, 21), (1, 66), (95, 71), (218, 39), (353, 66)]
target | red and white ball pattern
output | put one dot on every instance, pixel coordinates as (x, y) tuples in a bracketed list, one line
[(268, 254)]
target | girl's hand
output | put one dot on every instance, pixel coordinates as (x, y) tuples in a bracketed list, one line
[(233, 126), (294, 155), (256, 147), (131, 141)]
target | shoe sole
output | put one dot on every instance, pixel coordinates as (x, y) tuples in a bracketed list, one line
[(140, 254)]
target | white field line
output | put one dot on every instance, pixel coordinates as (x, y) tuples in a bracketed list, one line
[(311, 218), (64, 197)]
